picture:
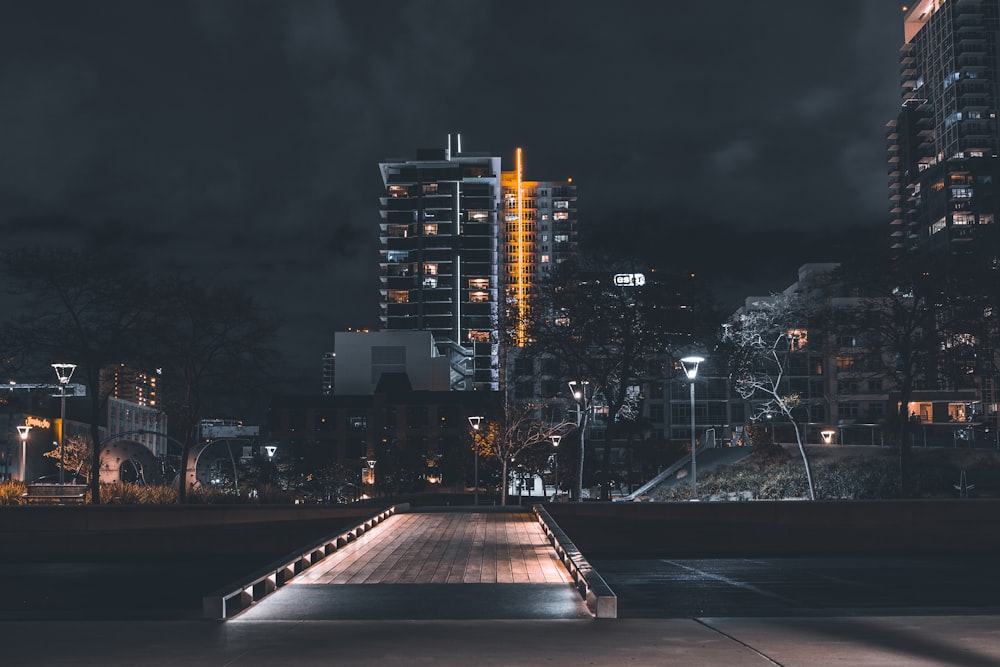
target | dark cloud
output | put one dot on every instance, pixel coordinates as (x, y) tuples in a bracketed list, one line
[(239, 139)]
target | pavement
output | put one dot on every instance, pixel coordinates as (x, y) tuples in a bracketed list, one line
[(918, 641), (395, 606)]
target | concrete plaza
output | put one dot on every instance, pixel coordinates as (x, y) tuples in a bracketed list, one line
[(464, 587)]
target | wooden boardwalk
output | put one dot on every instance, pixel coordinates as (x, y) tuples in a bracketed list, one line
[(445, 548)]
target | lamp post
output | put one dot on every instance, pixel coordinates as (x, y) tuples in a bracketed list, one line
[(690, 366), (475, 422), (23, 432), (371, 473), (578, 388), (64, 372), (555, 443)]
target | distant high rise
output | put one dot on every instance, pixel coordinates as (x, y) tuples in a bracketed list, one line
[(134, 409), (439, 264), (128, 384), (944, 168), (539, 223)]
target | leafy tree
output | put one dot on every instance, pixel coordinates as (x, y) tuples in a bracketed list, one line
[(760, 340), (612, 336), (75, 457)]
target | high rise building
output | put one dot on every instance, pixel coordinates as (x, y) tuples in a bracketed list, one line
[(134, 410), (943, 146), (128, 384), (539, 231), (439, 264)]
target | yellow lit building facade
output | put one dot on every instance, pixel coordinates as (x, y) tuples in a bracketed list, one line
[(538, 232)]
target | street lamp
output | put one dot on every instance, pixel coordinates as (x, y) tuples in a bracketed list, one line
[(555, 443), (690, 366), (578, 389), (64, 372), (23, 432), (475, 422), (371, 473)]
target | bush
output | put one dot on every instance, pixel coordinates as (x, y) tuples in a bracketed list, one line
[(12, 492), (847, 479)]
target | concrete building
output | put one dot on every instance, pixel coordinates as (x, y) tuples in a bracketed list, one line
[(134, 411), (413, 439), (363, 357), (943, 147)]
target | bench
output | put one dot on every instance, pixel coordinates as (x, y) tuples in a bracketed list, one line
[(56, 493)]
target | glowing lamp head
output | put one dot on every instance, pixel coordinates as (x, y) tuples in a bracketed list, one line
[(64, 372), (556, 439), (475, 422), (690, 366)]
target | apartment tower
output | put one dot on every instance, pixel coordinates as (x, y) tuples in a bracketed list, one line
[(943, 146), (439, 264), (539, 231)]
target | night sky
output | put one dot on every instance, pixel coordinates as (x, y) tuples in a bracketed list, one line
[(240, 139)]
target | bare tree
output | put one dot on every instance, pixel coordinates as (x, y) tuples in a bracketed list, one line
[(515, 430), (924, 329), (761, 340), (82, 308), (208, 340), (613, 334)]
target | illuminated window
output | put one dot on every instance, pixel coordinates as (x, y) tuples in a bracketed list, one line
[(845, 363), (479, 215), (398, 191), (560, 204), (961, 193), (561, 238), (478, 297), (479, 336), (964, 219), (430, 281), (430, 229), (399, 296), (397, 231), (479, 283), (545, 259), (430, 188), (430, 269), (797, 339), (560, 215)]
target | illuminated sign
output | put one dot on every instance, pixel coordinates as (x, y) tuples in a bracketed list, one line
[(630, 279), (37, 422)]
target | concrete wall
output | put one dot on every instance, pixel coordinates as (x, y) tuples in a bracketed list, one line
[(790, 528), (112, 518)]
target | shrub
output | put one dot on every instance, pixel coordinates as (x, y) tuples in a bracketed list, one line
[(12, 492)]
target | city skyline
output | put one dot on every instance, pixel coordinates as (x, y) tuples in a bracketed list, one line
[(240, 140)]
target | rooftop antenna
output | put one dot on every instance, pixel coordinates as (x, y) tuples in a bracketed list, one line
[(447, 152), (458, 140)]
